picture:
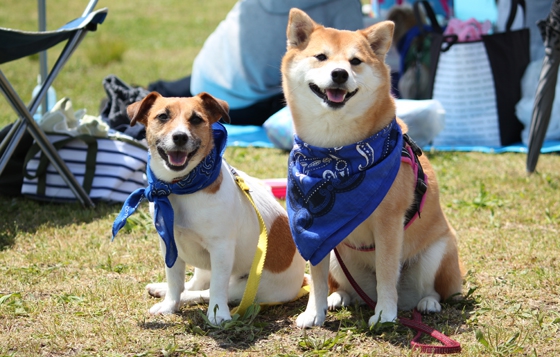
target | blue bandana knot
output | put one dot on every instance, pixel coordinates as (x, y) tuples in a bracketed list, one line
[(333, 190), (204, 174)]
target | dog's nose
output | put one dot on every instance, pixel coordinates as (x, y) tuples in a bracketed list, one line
[(180, 139), (339, 75)]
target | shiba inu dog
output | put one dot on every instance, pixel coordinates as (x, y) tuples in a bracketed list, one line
[(356, 183), (203, 217)]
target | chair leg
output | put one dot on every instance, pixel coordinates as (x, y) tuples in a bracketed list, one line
[(25, 119)]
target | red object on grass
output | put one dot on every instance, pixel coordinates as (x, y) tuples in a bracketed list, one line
[(278, 186)]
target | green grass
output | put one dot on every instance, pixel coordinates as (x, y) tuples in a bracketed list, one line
[(67, 290)]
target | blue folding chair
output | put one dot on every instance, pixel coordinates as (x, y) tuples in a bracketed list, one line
[(15, 44)]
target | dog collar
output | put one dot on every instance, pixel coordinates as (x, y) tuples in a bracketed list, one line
[(333, 190), (158, 191)]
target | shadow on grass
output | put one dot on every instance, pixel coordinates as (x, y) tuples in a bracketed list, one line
[(241, 335), (156, 325), (20, 214), (450, 321), (279, 321)]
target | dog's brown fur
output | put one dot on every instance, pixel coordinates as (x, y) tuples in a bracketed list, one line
[(401, 256), (216, 229)]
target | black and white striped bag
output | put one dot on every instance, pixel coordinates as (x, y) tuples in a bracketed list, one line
[(109, 169)]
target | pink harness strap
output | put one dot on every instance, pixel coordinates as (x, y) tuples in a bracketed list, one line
[(408, 157)]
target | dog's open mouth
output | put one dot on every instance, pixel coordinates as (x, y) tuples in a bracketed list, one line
[(334, 97), (176, 159)]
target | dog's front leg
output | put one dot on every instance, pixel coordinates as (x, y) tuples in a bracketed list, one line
[(175, 285), (388, 245), (316, 311), (221, 260), (199, 281)]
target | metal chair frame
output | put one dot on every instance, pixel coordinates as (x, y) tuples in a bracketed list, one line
[(25, 121)]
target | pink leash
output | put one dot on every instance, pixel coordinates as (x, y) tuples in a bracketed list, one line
[(449, 345)]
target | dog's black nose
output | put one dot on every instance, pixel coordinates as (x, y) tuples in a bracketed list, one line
[(339, 75), (180, 139)]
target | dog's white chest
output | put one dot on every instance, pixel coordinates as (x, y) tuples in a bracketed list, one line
[(192, 248)]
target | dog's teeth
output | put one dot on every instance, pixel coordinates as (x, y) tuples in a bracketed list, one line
[(177, 158), (336, 95)]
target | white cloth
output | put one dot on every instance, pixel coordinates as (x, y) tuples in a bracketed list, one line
[(240, 60)]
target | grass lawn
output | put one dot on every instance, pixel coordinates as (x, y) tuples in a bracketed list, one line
[(67, 290)]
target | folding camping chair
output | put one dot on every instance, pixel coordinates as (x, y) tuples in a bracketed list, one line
[(15, 44)]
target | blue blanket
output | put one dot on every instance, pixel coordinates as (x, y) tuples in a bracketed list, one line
[(548, 147), (249, 135)]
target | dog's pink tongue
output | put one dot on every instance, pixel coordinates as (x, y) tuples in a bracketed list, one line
[(336, 95), (177, 158)]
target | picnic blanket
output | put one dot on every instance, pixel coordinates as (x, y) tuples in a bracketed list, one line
[(250, 135), (548, 147), (247, 135)]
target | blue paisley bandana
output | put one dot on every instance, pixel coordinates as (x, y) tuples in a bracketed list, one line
[(158, 191), (333, 190)]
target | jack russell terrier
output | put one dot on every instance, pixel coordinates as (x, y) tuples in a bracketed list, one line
[(203, 217)]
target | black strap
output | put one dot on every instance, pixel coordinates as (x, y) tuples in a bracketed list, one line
[(41, 172), (447, 40), (415, 148), (421, 185), (429, 11), (513, 13)]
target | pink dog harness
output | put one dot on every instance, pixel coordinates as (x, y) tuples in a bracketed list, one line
[(409, 155)]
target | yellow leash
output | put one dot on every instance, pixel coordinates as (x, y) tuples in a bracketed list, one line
[(258, 261), (260, 255)]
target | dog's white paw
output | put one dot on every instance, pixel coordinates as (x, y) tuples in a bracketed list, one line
[(338, 299), (309, 319), (165, 307), (383, 316), (217, 317), (428, 304), (157, 290)]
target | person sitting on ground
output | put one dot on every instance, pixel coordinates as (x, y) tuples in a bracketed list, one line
[(240, 60)]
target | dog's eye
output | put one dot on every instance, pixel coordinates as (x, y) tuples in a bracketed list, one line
[(355, 61), (321, 57), (162, 117), (195, 119)]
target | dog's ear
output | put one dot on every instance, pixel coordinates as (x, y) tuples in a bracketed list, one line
[(300, 27), (138, 112), (380, 37), (217, 108)]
